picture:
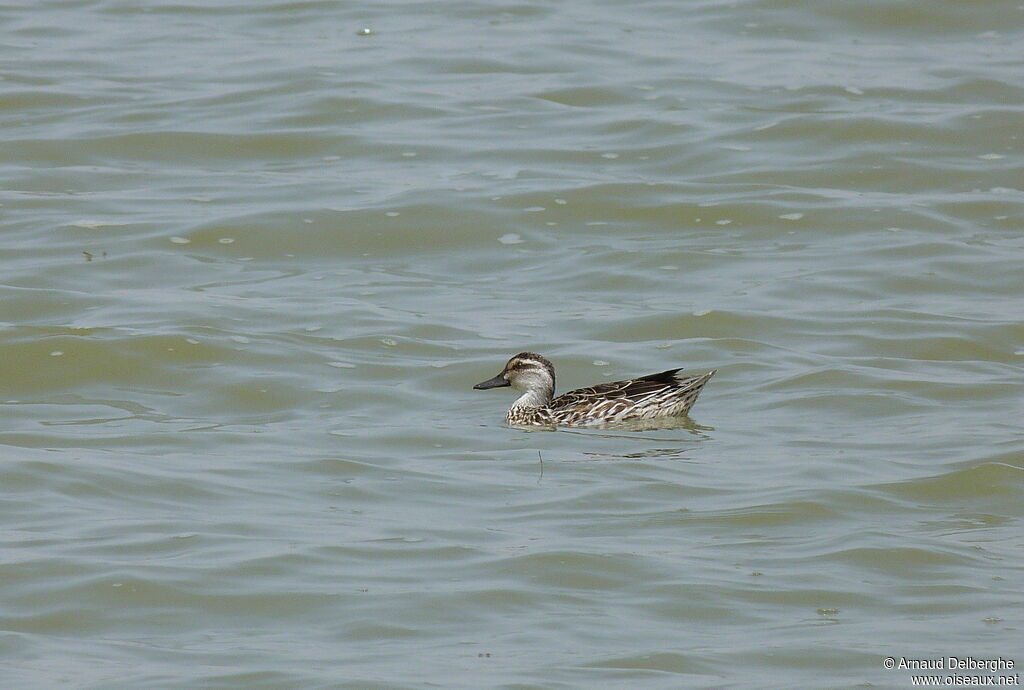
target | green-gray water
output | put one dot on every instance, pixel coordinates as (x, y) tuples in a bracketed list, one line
[(254, 261)]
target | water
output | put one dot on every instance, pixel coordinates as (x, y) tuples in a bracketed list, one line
[(255, 259)]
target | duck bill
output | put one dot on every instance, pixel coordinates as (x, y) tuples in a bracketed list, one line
[(497, 382)]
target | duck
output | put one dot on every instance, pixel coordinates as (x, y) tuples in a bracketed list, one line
[(654, 396)]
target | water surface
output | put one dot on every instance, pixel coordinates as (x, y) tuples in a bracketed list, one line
[(256, 257)]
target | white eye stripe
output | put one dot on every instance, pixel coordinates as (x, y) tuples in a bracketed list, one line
[(527, 363)]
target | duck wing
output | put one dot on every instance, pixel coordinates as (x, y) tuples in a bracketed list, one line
[(628, 392)]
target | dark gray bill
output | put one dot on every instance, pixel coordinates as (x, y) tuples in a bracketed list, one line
[(497, 382)]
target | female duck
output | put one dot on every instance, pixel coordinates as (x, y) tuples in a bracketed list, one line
[(647, 397)]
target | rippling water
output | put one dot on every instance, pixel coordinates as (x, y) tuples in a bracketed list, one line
[(256, 254)]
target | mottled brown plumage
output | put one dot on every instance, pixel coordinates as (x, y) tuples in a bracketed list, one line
[(648, 397)]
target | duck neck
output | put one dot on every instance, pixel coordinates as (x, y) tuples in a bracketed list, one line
[(534, 397)]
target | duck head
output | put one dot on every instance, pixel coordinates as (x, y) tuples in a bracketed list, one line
[(528, 373)]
